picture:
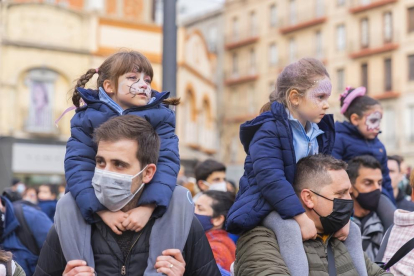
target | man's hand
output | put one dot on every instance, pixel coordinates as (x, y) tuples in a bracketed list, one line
[(171, 263), (343, 233), (114, 220), (307, 227), (138, 217), (78, 268)]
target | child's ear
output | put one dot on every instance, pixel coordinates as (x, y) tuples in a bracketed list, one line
[(354, 119), (108, 87), (294, 97), (148, 173)]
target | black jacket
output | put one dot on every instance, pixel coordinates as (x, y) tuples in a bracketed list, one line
[(109, 259), (403, 203)]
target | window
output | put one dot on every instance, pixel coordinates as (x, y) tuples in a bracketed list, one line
[(235, 28), (411, 67), (364, 33), (319, 8), (273, 54), (252, 62), (408, 123), (253, 24), (235, 63), (251, 99), (389, 127), (273, 15), (365, 2), (388, 74), (98, 5), (212, 39), (364, 75), (411, 19), (318, 45), (341, 79), (340, 37), (292, 12), (387, 27), (340, 3), (292, 50)]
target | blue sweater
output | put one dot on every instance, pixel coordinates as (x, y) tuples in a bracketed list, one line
[(39, 225), (269, 169), (81, 151), (350, 143)]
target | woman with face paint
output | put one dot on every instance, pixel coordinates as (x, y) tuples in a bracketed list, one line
[(293, 124), (123, 87), (358, 135)]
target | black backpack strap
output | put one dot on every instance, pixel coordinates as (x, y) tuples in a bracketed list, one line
[(404, 250), (384, 243), (331, 261), (23, 232)]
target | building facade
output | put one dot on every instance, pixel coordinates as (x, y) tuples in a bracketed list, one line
[(361, 42)]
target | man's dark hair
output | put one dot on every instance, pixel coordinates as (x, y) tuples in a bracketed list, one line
[(397, 159), (54, 189), (312, 172), (366, 161), (222, 202), (207, 167), (134, 128), (15, 181)]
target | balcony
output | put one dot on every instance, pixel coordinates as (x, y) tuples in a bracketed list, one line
[(240, 76), (239, 40), (305, 17), (376, 45), (358, 6)]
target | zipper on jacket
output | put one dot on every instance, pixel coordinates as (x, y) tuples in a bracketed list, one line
[(123, 269)]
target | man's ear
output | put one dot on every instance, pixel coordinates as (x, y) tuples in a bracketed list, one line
[(201, 186), (354, 119), (148, 173), (108, 87), (294, 97), (307, 198), (218, 221)]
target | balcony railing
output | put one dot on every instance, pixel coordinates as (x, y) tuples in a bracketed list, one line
[(245, 74), (377, 44), (241, 39), (358, 6), (39, 121), (305, 16)]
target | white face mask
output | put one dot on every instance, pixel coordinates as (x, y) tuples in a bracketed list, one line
[(113, 190), (219, 186)]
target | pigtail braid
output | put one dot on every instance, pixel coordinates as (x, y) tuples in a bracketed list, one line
[(172, 101), (81, 83)]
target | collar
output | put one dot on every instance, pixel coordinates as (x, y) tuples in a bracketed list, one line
[(403, 218), (106, 99), (312, 129)]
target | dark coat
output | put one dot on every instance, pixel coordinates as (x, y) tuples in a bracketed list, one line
[(81, 152), (269, 169), (350, 143), (403, 203), (48, 207), (39, 225), (109, 259)]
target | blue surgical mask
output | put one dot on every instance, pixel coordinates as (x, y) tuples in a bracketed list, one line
[(205, 221)]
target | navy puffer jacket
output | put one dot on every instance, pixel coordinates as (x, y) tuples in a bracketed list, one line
[(350, 143), (269, 169), (81, 152)]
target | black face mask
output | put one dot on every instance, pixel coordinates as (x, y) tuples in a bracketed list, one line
[(368, 201), (341, 213)]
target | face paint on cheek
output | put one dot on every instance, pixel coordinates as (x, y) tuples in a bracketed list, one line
[(373, 121), (140, 86), (321, 90)]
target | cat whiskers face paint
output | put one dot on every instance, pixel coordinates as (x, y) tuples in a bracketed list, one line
[(137, 87), (373, 121)]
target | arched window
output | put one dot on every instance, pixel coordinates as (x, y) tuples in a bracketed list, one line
[(190, 117)]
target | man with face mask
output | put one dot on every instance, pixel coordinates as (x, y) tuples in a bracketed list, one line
[(323, 186), (366, 179), (210, 175), (127, 151)]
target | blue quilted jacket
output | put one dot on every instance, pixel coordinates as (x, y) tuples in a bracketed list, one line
[(350, 143), (81, 151), (269, 169)]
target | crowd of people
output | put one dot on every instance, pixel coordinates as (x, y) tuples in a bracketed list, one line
[(317, 197)]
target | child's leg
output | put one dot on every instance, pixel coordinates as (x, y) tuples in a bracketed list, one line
[(290, 242), (354, 245), (73, 231)]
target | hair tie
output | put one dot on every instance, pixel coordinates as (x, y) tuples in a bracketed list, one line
[(97, 70), (357, 92)]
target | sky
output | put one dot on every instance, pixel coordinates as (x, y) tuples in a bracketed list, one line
[(190, 8)]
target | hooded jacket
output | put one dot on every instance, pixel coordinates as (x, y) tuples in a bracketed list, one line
[(81, 152), (269, 169), (39, 225), (350, 143)]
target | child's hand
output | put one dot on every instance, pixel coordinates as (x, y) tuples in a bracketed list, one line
[(307, 227), (114, 220), (343, 233), (138, 217)]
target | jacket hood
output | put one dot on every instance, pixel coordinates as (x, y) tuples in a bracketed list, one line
[(11, 221), (90, 96)]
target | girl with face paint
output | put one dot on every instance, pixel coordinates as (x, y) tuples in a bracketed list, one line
[(358, 134), (123, 87)]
